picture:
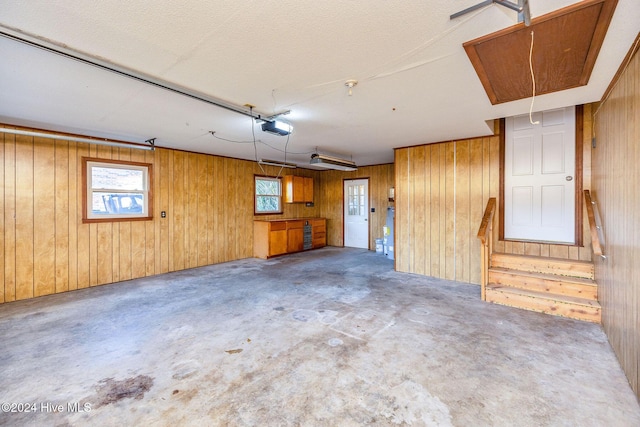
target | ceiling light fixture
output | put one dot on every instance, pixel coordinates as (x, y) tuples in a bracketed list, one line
[(328, 162), (350, 84), (268, 162), (277, 127)]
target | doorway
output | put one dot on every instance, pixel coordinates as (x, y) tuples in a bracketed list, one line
[(540, 177), (356, 213)]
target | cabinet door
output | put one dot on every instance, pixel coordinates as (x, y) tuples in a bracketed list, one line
[(298, 189), (287, 188), (277, 242), (295, 241), (308, 189)]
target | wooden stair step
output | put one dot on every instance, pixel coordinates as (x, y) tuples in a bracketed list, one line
[(544, 282), (536, 264), (559, 305)]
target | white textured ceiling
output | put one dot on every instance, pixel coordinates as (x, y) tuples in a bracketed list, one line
[(415, 82)]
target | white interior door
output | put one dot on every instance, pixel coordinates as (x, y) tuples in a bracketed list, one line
[(539, 188), (356, 213)]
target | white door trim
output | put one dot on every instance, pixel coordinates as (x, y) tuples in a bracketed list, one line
[(572, 220), (356, 231)]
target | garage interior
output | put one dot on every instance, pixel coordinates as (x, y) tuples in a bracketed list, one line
[(315, 338), (210, 305)]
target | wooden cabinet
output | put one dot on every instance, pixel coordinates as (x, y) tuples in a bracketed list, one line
[(297, 189), (295, 236), (319, 232), (272, 238), (269, 238)]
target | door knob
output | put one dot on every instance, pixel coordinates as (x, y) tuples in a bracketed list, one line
[(569, 178)]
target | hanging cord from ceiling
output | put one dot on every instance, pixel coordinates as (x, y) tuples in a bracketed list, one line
[(255, 145), (533, 83), (285, 155), (234, 141)]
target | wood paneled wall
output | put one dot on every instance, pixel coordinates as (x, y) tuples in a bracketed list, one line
[(381, 179), (616, 180), (441, 192), (45, 248)]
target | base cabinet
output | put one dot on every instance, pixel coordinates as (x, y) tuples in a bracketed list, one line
[(273, 238)]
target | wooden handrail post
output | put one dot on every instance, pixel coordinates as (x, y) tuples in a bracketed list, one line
[(485, 234), (593, 227)]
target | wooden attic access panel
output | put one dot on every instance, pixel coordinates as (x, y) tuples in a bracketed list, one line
[(566, 45)]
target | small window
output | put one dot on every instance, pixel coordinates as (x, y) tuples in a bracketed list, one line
[(116, 190), (268, 193)]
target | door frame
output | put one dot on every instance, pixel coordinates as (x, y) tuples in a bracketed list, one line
[(344, 222), (578, 174)]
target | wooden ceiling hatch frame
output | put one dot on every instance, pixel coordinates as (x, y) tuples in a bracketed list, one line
[(566, 45)]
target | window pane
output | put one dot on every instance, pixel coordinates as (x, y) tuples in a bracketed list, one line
[(119, 203), (117, 178), (268, 186), (267, 204)]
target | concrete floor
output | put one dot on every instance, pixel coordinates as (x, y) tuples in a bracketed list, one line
[(332, 337)]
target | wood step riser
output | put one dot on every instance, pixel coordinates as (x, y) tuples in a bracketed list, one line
[(554, 286), (544, 265), (554, 307)]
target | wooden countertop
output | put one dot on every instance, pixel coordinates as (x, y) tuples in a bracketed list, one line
[(288, 219)]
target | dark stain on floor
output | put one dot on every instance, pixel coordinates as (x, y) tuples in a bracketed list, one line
[(111, 391)]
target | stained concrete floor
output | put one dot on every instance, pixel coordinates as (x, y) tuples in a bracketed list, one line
[(332, 337)]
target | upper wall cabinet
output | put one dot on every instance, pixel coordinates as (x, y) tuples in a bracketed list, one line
[(297, 189)]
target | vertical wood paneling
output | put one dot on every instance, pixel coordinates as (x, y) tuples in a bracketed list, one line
[(24, 217), (73, 213), (164, 178), (615, 181), (462, 190), (455, 183), (104, 237), (84, 255), (194, 189), (202, 211), (9, 162), (418, 207), (403, 213), (152, 228), (211, 206), (44, 225), (476, 200), (435, 209), (2, 222), (45, 247), (61, 215), (178, 208), (219, 206), (138, 234), (450, 211), (427, 211)]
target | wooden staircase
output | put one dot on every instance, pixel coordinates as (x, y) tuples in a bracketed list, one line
[(548, 285)]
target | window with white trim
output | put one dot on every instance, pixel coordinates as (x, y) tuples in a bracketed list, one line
[(116, 190), (268, 195)]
